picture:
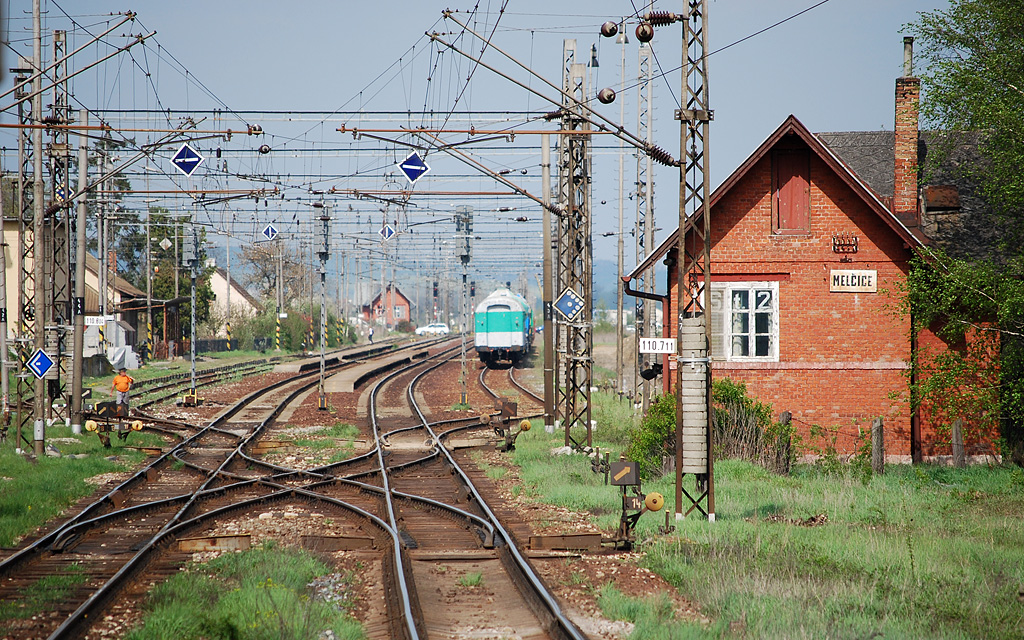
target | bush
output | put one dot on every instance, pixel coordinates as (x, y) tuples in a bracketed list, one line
[(744, 429), (655, 438)]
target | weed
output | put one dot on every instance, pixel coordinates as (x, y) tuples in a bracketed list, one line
[(474, 579)]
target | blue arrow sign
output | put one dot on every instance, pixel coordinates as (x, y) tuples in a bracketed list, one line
[(413, 167), (40, 363), (269, 232), (569, 304), (386, 232), (187, 159)]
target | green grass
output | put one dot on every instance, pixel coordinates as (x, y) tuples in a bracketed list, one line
[(254, 595), (919, 552), (473, 579), (33, 492), (326, 441)]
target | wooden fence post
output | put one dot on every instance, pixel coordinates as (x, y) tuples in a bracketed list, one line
[(877, 447), (785, 447), (959, 460)]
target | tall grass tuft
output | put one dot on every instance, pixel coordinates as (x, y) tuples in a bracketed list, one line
[(262, 594)]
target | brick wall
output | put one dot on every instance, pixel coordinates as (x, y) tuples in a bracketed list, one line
[(841, 355)]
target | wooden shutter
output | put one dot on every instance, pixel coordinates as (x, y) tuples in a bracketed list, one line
[(791, 199)]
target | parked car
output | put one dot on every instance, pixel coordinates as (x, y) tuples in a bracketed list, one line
[(433, 329)]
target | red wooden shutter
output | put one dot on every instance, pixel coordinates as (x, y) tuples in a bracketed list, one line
[(792, 190)]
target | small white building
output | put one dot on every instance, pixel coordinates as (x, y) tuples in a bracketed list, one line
[(243, 304)]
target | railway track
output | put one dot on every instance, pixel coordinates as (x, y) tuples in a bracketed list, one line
[(408, 500)]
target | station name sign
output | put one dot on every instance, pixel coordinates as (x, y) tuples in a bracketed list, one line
[(853, 281)]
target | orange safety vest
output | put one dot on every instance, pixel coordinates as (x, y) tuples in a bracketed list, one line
[(122, 383)]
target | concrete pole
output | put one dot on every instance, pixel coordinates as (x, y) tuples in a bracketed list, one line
[(38, 225), (546, 294), (228, 298), (79, 293), (5, 383), (619, 359)]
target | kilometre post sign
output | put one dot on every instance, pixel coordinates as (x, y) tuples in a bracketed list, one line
[(853, 281), (657, 345)]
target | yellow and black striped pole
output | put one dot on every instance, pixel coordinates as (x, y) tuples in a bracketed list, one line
[(229, 334), (277, 334), (149, 337)]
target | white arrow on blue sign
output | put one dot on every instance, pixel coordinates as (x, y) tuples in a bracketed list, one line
[(413, 167), (269, 232), (386, 232), (40, 363), (187, 159), (569, 304)]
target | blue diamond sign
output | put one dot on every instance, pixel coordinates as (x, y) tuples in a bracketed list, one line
[(386, 232), (269, 232), (413, 167), (187, 159), (569, 304), (40, 363)]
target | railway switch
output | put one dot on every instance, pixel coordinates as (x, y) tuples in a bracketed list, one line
[(624, 473), (508, 433)]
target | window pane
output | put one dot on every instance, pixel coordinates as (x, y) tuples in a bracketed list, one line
[(762, 322), (763, 299), (740, 300), (762, 346), (739, 346), (741, 323)]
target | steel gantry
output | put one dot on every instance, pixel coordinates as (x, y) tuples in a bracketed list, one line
[(694, 454), (24, 332), (574, 331), (644, 229), (60, 228)]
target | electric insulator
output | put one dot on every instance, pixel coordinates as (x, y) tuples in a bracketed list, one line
[(523, 172), (661, 18), (218, 152), (644, 32), (264, 148), (661, 156), (553, 115), (606, 95), (609, 29)]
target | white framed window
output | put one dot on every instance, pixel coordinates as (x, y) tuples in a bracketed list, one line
[(745, 321), (398, 312)]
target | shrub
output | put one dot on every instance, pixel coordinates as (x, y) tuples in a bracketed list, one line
[(743, 429), (654, 439)]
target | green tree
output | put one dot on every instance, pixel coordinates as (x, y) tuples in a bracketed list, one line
[(973, 81), (972, 56)]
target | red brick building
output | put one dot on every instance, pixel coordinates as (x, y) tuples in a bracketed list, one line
[(805, 251), (389, 307)]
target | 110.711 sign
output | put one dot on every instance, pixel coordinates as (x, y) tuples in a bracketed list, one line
[(657, 345)]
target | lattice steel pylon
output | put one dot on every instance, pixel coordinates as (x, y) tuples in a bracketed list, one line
[(694, 454), (60, 225), (575, 336), (25, 331), (644, 229)]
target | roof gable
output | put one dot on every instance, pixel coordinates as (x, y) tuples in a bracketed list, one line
[(791, 126)]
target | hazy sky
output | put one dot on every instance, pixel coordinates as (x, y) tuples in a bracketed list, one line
[(833, 67)]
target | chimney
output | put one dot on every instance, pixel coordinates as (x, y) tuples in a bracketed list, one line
[(908, 95)]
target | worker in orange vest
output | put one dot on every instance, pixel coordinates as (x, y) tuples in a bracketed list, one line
[(122, 385)]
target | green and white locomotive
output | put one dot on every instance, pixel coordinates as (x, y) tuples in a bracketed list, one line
[(504, 327)]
